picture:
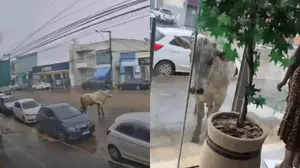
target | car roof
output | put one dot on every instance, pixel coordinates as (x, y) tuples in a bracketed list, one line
[(6, 96), (25, 100), (57, 105), (175, 31), (135, 116)]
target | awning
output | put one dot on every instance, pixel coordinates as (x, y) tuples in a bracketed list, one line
[(102, 73)]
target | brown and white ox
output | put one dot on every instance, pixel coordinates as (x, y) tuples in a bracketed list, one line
[(210, 78)]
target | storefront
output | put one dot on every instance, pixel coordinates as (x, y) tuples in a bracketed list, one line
[(129, 67), (144, 64), (55, 74)]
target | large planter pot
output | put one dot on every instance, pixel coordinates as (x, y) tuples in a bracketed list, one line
[(224, 151)]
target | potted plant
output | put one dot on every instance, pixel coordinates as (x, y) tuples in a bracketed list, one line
[(235, 140)]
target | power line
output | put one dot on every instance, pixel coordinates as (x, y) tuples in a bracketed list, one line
[(52, 40), (75, 11), (36, 10), (83, 21), (90, 33), (76, 23), (44, 25)]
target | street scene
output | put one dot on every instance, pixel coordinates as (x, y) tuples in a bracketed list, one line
[(169, 90), (75, 87)]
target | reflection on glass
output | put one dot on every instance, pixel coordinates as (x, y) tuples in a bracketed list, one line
[(171, 65)]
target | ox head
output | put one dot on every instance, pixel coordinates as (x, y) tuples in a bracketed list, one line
[(204, 57), (108, 93)]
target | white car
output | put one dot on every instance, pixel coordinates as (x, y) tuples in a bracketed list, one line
[(129, 137), (26, 110), (8, 101), (169, 56), (41, 86), (164, 15)]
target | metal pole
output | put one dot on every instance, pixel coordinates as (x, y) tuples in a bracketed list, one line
[(152, 42), (111, 60), (189, 85), (238, 101)]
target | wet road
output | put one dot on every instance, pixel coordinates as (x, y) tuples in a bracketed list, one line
[(22, 147), (122, 102)]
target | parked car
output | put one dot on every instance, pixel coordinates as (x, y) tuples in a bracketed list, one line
[(164, 15), (64, 121), (95, 83), (169, 56), (129, 137), (6, 90), (8, 101), (16, 87), (26, 110), (41, 86), (135, 84)]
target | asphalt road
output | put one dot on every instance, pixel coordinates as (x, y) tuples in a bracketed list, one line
[(122, 102), (22, 147)]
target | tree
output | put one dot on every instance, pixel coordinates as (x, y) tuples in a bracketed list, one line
[(249, 22)]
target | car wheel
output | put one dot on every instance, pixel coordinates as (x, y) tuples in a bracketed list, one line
[(39, 128), (62, 136), (137, 87), (114, 152), (24, 120), (165, 68)]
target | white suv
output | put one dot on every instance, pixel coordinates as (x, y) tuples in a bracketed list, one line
[(169, 56)]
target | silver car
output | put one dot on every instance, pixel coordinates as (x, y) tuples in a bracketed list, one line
[(129, 137)]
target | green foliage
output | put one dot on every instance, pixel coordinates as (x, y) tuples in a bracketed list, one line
[(234, 20)]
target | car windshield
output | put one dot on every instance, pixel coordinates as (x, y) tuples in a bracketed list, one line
[(66, 111), (166, 11), (8, 99), (29, 104)]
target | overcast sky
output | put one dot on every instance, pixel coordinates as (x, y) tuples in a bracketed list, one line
[(19, 18)]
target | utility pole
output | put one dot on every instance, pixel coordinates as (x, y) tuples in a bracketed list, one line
[(152, 41), (110, 53)]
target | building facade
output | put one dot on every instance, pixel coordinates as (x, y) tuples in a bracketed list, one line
[(93, 60), (56, 74), (23, 68)]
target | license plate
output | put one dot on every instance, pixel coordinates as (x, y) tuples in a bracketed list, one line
[(85, 132)]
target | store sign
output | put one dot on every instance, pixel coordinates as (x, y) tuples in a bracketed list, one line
[(46, 69), (144, 61)]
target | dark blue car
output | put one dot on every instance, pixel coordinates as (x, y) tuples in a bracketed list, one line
[(64, 121)]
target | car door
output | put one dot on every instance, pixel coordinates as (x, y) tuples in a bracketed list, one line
[(50, 122), (124, 133), (41, 118), (17, 109), (142, 142), (180, 56)]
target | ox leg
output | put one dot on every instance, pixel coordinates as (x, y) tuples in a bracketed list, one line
[(218, 102), (102, 112), (200, 114), (98, 109)]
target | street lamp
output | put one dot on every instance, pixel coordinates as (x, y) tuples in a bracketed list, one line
[(110, 51)]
